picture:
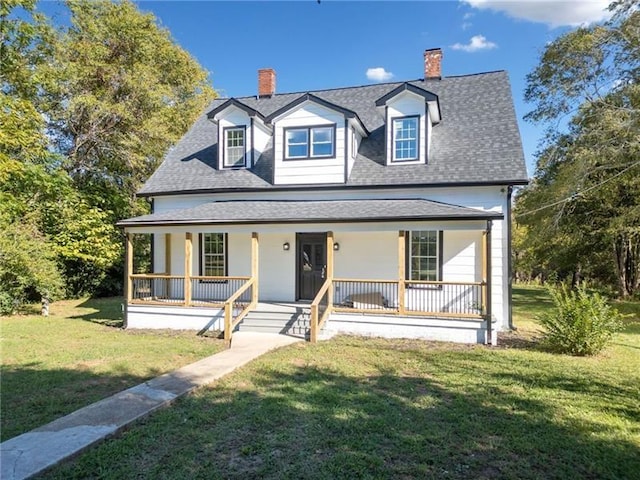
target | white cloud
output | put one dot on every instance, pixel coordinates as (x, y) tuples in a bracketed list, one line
[(477, 42), (466, 25), (554, 13), (378, 74)]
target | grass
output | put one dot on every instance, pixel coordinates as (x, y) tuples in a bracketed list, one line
[(373, 408), (78, 355)]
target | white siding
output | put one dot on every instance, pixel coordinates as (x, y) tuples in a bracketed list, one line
[(372, 255), (407, 104), (358, 243), (261, 138), (350, 142), (277, 272), (461, 256), (234, 117), (325, 170)]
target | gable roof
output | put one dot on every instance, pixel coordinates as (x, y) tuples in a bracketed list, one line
[(232, 102), (429, 97), (309, 97), (476, 143)]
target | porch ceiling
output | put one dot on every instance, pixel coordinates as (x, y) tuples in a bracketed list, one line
[(266, 211)]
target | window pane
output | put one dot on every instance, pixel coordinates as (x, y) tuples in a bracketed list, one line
[(424, 255), (322, 142), (213, 255), (297, 151), (405, 134), (234, 152), (322, 134), (297, 143), (322, 150), (296, 136)]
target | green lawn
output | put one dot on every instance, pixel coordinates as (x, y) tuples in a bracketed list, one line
[(78, 355), (372, 408)]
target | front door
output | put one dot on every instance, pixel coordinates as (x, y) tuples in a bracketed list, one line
[(311, 264)]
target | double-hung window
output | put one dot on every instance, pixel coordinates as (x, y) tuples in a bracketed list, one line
[(405, 138), (234, 147), (213, 254), (309, 142), (425, 255)]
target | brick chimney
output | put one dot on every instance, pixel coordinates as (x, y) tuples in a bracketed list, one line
[(266, 82), (433, 64)]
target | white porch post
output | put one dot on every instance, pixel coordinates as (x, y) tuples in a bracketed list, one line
[(188, 261), (486, 279), (129, 268), (330, 269), (255, 266), (401, 270), (128, 280)]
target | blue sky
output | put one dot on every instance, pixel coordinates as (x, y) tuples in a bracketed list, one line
[(330, 44)]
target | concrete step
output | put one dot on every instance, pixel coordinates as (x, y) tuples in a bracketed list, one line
[(291, 331), (284, 319), (277, 316)]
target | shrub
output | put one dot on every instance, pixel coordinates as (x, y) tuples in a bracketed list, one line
[(580, 323), (7, 305)]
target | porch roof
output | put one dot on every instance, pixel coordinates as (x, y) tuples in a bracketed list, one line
[(301, 211)]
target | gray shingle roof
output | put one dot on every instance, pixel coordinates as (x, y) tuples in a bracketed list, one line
[(266, 211), (477, 141)]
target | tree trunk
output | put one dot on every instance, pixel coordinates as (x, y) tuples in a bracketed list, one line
[(626, 248), (577, 276)]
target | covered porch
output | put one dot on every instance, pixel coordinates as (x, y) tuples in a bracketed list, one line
[(349, 273)]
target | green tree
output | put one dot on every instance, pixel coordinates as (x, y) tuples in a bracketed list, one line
[(127, 93), (582, 209), (87, 112)]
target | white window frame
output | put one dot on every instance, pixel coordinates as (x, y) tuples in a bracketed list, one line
[(242, 162), (416, 139)]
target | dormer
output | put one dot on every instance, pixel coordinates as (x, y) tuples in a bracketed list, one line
[(312, 141), (241, 134), (409, 115)]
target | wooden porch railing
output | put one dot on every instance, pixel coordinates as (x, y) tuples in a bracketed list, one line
[(163, 289), (321, 308), (230, 321), (397, 297), (156, 289), (237, 296)]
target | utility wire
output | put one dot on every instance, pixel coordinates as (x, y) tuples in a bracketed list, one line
[(571, 197)]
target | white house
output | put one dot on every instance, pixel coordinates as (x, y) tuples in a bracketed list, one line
[(378, 209)]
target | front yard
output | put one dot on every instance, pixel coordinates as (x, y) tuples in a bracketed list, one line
[(77, 356), (371, 408)]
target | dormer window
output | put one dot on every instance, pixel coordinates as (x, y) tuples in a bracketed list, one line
[(309, 142), (405, 138), (234, 147)]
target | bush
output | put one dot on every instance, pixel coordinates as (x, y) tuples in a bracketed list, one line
[(581, 323), (7, 305)]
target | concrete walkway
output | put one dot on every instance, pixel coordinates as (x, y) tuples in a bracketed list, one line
[(32, 452)]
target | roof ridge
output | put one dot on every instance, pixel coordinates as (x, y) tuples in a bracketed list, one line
[(349, 87)]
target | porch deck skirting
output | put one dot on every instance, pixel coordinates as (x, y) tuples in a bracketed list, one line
[(202, 319), (459, 330)]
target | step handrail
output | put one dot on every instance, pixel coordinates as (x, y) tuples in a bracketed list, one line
[(229, 321), (318, 322)]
